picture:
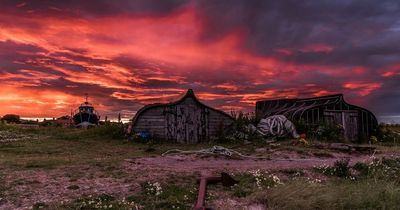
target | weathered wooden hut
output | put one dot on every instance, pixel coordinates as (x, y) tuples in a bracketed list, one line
[(184, 121), (358, 123)]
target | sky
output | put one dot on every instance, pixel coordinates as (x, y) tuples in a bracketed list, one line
[(129, 53)]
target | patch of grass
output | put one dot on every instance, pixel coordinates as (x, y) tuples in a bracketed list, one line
[(152, 196), (339, 194), (253, 181), (170, 196), (340, 169), (103, 201), (388, 134), (70, 147), (293, 172), (384, 169)]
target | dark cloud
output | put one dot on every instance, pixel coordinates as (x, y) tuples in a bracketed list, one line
[(317, 47), (356, 29), (92, 8)]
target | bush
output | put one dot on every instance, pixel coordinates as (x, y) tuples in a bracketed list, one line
[(362, 168), (11, 118), (340, 169), (240, 130), (388, 133), (320, 131), (110, 130), (385, 168)]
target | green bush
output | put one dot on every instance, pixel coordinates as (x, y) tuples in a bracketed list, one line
[(110, 130), (385, 168), (340, 169), (239, 130), (388, 133), (320, 131), (362, 168)]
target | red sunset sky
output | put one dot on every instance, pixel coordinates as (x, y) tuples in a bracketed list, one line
[(125, 54)]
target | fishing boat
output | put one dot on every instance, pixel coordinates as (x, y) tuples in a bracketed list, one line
[(85, 116)]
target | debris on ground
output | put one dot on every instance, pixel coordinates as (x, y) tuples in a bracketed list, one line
[(225, 179), (215, 150), (276, 125)]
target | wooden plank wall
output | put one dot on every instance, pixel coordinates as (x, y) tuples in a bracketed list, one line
[(186, 122), (151, 120)]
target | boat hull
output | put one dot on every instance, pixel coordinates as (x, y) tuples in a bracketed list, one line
[(86, 118)]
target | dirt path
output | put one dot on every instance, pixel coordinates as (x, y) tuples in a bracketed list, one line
[(196, 163)]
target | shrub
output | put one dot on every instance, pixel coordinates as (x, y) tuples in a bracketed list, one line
[(362, 168), (11, 118), (340, 169), (242, 129), (110, 130), (320, 131), (388, 133)]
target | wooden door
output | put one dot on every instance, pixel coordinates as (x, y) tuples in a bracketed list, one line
[(351, 125), (185, 122), (347, 119)]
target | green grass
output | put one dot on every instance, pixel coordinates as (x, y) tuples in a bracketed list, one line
[(339, 194), (67, 147), (103, 150), (169, 196)]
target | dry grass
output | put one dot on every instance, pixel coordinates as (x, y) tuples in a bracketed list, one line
[(338, 194)]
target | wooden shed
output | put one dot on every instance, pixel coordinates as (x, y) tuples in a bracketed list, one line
[(358, 123), (184, 121)]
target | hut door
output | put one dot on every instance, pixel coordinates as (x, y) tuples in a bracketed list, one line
[(185, 123), (347, 119)]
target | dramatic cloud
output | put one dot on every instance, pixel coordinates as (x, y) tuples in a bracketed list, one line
[(125, 54)]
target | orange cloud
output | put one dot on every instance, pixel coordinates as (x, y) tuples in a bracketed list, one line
[(362, 88), (33, 103), (139, 59)]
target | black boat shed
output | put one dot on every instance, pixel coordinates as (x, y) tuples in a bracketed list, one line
[(358, 123), (184, 121)]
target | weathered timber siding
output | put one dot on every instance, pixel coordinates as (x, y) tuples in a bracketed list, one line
[(358, 123), (184, 121), (153, 121)]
